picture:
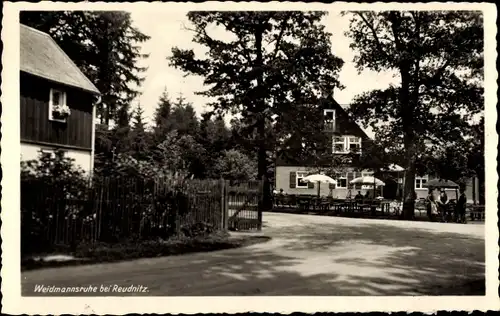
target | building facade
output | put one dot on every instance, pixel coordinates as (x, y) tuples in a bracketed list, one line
[(56, 101), (348, 137)]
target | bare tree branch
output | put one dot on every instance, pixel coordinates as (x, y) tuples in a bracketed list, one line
[(280, 35), (374, 33)]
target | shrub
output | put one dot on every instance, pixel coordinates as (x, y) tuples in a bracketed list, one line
[(200, 229), (46, 185), (132, 200)]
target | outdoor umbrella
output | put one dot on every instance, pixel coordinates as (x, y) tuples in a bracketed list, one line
[(319, 178), (394, 167), (440, 183), (368, 180), (443, 184)]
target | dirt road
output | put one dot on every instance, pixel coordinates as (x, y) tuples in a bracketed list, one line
[(307, 255)]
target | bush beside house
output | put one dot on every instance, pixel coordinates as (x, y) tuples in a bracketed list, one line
[(125, 214)]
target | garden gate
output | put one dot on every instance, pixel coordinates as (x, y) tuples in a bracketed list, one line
[(243, 204)]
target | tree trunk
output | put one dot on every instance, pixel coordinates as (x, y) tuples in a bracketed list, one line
[(409, 194), (407, 108), (474, 198), (481, 187), (266, 201)]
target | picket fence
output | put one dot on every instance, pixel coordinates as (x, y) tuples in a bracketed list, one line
[(117, 209)]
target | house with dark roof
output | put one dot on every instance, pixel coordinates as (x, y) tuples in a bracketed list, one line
[(348, 140), (57, 106)]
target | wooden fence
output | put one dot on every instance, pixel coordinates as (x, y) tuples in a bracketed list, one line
[(115, 209)]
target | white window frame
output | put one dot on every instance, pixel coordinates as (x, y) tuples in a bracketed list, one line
[(419, 181), (328, 121), (51, 103), (346, 142), (342, 175), (343, 142), (357, 142), (300, 175)]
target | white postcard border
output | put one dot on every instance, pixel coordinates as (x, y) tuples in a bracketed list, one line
[(12, 301)]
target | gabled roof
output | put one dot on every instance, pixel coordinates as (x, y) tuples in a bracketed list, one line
[(42, 57), (349, 124), (346, 125)]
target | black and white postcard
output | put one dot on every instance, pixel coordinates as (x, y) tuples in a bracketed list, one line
[(238, 157)]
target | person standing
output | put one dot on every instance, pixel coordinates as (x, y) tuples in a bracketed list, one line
[(443, 205), (431, 206), (359, 196), (461, 206)]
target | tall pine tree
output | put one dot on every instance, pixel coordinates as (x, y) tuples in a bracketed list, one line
[(162, 111), (141, 144), (183, 117), (103, 44), (275, 62), (138, 123)]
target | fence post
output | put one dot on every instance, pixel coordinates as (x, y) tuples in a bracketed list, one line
[(224, 206), (222, 213), (98, 201), (261, 205)]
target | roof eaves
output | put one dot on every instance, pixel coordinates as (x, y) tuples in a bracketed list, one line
[(93, 89), (97, 93)]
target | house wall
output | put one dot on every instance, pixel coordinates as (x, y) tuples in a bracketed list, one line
[(36, 127), (282, 181), (82, 158), (422, 193)]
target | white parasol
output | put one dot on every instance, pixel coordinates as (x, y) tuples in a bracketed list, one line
[(319, 178), (368, 180)]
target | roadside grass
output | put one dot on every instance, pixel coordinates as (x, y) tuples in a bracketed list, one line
[(89, 253)]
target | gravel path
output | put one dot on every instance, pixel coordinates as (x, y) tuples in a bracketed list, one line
[(307, 255)]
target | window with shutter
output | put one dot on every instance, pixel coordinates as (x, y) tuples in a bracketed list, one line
[(299, 183), (293, 180), (341, 180)]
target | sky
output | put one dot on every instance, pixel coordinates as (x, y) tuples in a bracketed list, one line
[(169, 29)]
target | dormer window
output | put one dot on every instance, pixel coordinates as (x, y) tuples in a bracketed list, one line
[(329, 116), (58, 109)]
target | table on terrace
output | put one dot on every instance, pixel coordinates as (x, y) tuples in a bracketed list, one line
[(477, 212)]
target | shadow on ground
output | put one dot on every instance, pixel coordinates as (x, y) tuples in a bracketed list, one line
[(371, 259), (330, 259)]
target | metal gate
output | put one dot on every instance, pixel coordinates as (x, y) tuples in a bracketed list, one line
[(243, 204)]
